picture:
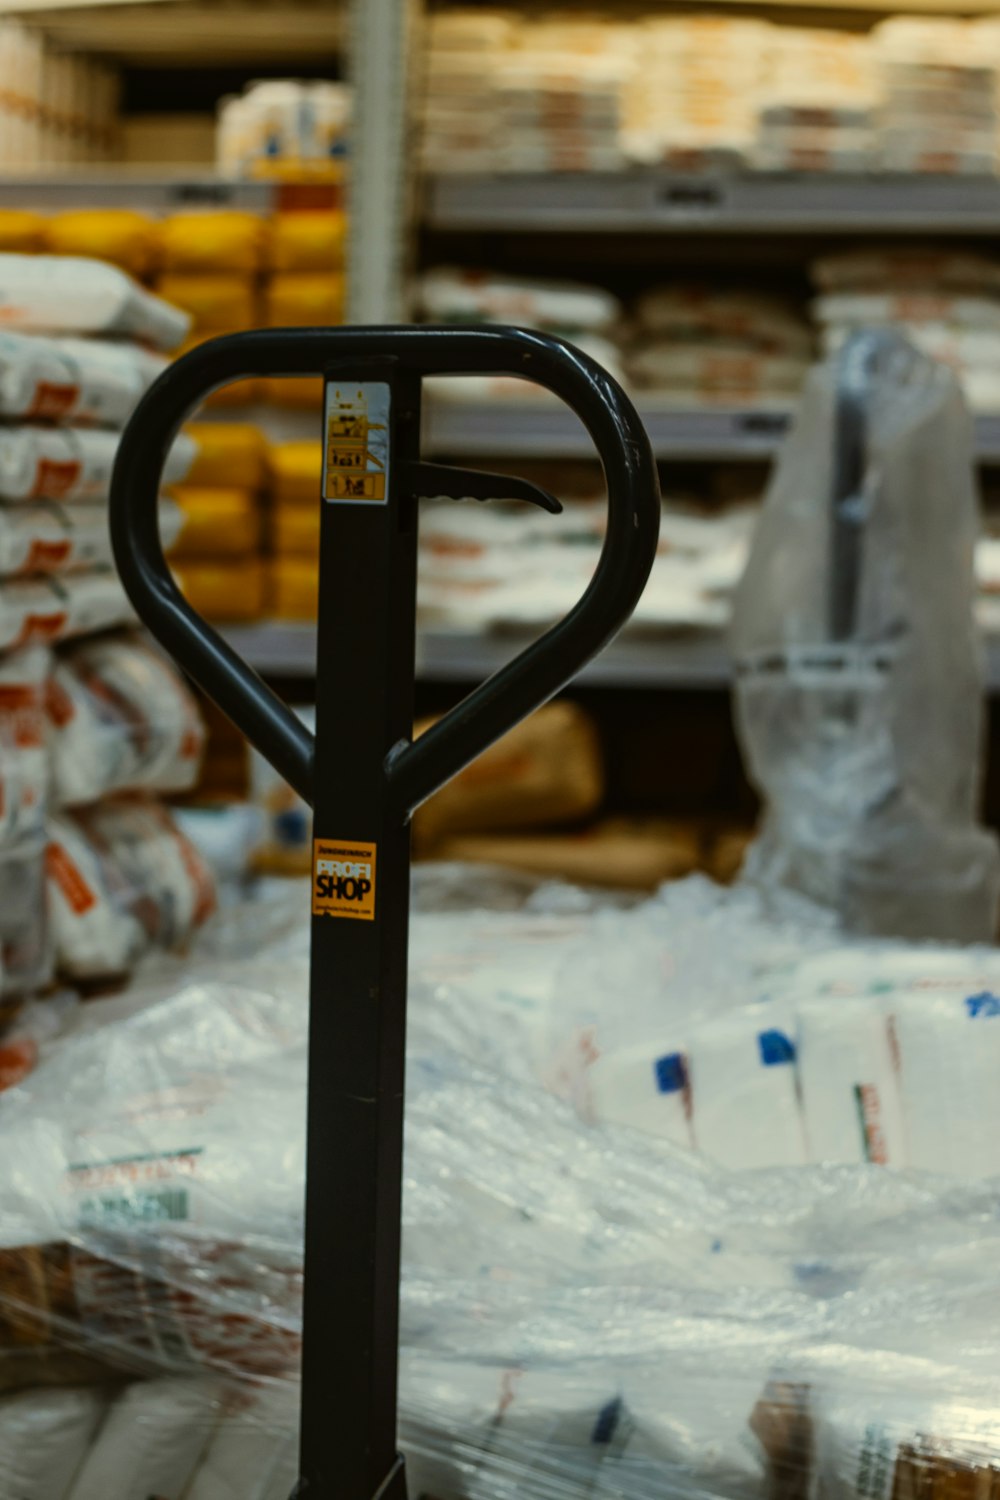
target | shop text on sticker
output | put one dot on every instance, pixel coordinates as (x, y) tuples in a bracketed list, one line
[(356, 448), (343, 880)]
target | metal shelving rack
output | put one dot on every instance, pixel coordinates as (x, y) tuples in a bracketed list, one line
[(654, 202), (697, 660)]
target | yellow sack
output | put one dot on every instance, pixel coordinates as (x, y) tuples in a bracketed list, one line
[(221, 303), (304, 392), (308, 241), (232, 592), (296, 472), (298, 300), (295, 529), (214, 240), (232, 455), (21, 232), (293, 592), (216, 522), (240, 393), (119, 235)]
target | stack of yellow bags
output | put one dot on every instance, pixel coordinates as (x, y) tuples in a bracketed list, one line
[(229, 269), (218, 554), (296, 471)]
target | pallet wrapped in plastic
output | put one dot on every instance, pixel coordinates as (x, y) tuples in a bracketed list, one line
[(585, 1309)]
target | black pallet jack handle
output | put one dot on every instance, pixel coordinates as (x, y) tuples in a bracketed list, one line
[(364, 775)]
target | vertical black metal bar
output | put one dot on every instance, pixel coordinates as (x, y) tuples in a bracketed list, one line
[(364, 705)]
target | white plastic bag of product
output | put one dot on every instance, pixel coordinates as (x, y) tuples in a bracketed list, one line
[(70, 463), (859, 693), (54, 609), (121, 719), (150, 1442), (45, 538), (48, 538), (72, 380), (254, 1452), (122, 879), (849, 1082), (949, 1062), (743, 1088), (70, 294), (44, 1437), (23, 750), (449, 295)]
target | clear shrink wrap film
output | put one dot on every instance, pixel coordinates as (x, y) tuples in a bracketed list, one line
[(585, 1310)]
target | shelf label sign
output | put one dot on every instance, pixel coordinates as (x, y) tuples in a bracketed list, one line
[(356, 447)]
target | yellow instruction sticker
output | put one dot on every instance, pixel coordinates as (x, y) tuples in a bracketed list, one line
[(343, 880), (356, 450)]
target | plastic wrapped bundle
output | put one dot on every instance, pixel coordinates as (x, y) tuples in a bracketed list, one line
[(859, 679), (121, 720)]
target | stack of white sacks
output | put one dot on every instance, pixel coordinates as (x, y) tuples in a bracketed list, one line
[(937, 84), (692, 99), (947, 302), (586, 1308), (694, 345), (77, 352), (513, 567), (582, 93), (502, 95), (816, 109), (589, 316)]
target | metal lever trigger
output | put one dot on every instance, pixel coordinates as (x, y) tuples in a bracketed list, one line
[(441, 481)]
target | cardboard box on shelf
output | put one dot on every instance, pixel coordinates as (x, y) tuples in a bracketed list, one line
[(187, 140)]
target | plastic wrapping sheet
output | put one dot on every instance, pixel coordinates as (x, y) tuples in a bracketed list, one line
[(121, 719), (859, 677), (585, 1309)]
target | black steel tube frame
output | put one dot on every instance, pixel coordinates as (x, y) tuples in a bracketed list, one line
[(363, 775)]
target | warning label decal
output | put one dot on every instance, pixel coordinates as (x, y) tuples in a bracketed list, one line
[(356, 448)]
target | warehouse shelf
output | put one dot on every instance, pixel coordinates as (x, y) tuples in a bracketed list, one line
[(637, 659), (544, 429), (174, 32), (127, 187), (648, 201), (283, 649)]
